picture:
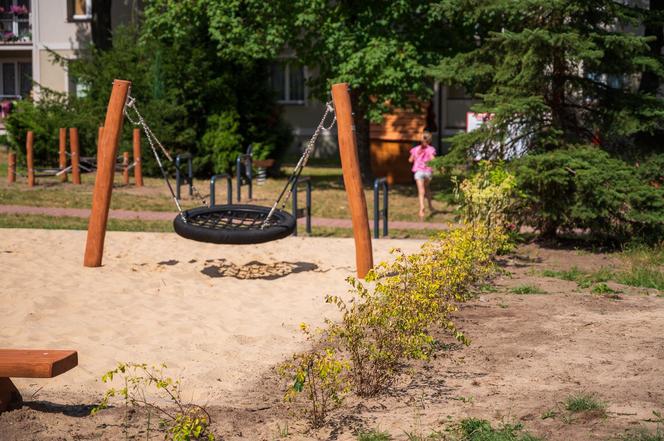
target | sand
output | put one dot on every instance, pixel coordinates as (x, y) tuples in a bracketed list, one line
[(219, 316)]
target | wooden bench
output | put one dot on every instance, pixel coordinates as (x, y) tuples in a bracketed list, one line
[(30, 363)]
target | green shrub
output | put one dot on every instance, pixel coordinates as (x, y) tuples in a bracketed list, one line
[(489, 196), (221, 143), (320, 374), (583, 188), (472, 429), (147, 387), (391, 323)]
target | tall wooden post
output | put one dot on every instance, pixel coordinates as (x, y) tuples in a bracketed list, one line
[(138, 169), (350, 165), (75, 149), (100, 131), (63, 153), (125, 168), (11, 167), (101, 198), (30, 158)]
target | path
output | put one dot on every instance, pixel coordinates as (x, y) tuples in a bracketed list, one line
[(167, 216)]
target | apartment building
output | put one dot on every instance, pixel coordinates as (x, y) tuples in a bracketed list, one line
[(31, 29)]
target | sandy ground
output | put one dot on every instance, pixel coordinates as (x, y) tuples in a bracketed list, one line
[(224, 325), (218, 316)]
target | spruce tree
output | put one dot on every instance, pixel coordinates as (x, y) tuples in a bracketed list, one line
[(553, 73)]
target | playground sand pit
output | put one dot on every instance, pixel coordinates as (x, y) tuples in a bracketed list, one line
[(223, 317), (218, 316)]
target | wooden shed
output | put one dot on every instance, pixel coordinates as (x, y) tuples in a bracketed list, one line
[(391, 141)]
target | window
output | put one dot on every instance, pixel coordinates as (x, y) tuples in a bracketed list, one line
[(15, 21), (79, 10), (287, 80), (16, 79)]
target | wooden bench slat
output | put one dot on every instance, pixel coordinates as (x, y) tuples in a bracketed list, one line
[(36, 363)]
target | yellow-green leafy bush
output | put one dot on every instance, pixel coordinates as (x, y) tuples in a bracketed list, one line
[(320, 374), (391, 320), (146, 386), (489, 197)]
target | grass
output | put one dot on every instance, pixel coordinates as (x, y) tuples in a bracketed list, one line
[(374, 435), (584, 402), (526, 289), (472, 429), (328, 198), (78, 223), (642, 271)]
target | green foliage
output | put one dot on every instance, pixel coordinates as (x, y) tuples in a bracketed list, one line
[(391, 323), (552, 72), (146, 387), (584, 402), (374, 435), (472, 429), (584, 188), (489, 197), (221, 143), (527, 289), (321, 374), (603, 288)]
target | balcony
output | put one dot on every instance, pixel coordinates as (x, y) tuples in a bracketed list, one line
[(15, 29)]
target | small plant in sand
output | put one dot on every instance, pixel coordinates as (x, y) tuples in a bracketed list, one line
[(319, 375), (146, 386)]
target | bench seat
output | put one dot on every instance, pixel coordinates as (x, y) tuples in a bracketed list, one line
[(30, 363)]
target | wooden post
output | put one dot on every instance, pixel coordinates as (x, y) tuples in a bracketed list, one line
[(350, 165), (74, 147), (100, 131), (101, 197), (125, 168), (11, 167), (63, 153), (138, 170), (30, 158)]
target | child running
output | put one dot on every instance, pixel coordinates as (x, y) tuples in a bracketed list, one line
[(419, 156)]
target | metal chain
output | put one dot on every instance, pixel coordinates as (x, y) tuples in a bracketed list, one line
[(152, 140), (306, 154)]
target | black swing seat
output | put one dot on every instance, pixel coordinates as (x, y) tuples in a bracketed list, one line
[(233, 224)]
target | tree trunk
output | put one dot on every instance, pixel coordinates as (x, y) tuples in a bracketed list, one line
[(653, 28), (101, 24), (362, 135)]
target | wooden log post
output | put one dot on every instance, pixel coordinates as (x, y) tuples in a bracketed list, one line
[(138, 169), (125, 168), (30, 158), (101, 197), (75, 149), (350, 165), (63, 153), (100, 131), (11, 167)]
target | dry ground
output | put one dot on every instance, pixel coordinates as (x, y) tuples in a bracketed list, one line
[(528, 354)]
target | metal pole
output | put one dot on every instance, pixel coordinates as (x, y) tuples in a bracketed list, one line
[(190, 173), (229, 188), (178, 179), (385, 206), (309, 206), (294, 196), (250, 165), (238, 177)]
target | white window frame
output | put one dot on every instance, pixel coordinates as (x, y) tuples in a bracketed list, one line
[(84, 17), (287, 65), (17, 76)]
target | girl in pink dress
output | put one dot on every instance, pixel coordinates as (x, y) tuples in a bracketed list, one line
[(419, 156)]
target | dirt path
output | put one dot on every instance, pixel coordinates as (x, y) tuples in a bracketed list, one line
[(529, 353)]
